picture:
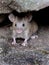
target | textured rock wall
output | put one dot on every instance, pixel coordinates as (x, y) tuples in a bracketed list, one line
[(6, 6)]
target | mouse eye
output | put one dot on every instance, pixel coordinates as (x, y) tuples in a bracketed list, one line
[(15, 24), (23, 24)]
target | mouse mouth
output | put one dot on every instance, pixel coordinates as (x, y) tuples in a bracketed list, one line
[(19, 30)]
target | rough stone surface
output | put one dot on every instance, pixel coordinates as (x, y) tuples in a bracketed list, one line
[(6, 6), (30, 5), (36, 53)]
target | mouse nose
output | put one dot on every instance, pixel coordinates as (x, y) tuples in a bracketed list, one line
[(19, 30)]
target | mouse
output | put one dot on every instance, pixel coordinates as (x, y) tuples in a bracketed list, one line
[(22, 27)]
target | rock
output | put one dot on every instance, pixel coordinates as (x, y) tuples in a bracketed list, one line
[(6, 6), (25, 58), (28, 5)]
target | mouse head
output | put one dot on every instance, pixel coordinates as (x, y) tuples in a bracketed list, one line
[(20, 23)]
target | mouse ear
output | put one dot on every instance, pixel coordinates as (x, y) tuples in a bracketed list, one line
[(28, 17), (11, 17)]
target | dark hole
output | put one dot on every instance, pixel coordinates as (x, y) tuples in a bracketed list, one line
[(42, 16), (20, 40)]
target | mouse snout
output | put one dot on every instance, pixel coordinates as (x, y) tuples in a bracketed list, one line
[(19, 30)]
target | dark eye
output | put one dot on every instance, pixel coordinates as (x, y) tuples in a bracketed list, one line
[(15, 24), (23, 24)]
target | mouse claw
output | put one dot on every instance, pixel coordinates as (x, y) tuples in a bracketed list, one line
[(35, 36), (13, 43), (24, 44)]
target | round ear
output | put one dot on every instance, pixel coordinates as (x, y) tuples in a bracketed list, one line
[(28, 17), (11, 17)]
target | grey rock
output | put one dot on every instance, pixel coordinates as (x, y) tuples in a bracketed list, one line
[(25, 58), (6, 6), (28, 5)]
